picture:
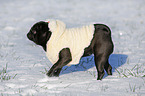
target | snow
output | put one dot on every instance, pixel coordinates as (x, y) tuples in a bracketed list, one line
[(28, 62)]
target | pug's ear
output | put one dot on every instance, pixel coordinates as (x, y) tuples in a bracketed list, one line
[(44, 34)]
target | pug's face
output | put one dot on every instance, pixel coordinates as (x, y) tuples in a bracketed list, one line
[(39, 33)]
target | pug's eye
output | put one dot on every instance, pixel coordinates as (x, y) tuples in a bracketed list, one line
[(33, 32)]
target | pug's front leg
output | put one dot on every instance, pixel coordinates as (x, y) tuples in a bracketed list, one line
[(64, 58)]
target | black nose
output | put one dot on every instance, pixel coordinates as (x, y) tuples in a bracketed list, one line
[(29, 36)]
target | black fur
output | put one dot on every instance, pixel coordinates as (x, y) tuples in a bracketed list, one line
[(101, 46), (40, 34)]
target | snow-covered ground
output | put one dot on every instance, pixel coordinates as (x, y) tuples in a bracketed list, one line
[(26, 64)]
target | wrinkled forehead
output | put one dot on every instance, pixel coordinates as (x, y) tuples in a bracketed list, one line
[(36, 24)]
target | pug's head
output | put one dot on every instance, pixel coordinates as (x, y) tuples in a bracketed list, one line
[(39, 34)]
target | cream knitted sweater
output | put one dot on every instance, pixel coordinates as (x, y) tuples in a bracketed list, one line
[(76, 39)]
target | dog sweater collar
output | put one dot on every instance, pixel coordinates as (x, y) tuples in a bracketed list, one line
[(57, 28)]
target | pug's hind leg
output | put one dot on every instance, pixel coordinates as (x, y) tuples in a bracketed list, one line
[(64, 58), (108, 68)]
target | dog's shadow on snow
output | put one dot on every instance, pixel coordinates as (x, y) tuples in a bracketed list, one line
[(115, 60)]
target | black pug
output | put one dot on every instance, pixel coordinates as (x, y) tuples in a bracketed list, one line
[(100, 44)]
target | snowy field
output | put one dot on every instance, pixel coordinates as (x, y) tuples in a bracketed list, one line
[(23, 64)]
